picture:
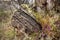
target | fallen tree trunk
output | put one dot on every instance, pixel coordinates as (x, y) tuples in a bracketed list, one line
[(22, 20)]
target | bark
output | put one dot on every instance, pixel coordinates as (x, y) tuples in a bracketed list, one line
[(23, 20)]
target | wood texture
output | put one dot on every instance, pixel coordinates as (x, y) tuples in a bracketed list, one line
[(22, 20)]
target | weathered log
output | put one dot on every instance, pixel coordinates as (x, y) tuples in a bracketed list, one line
[(22, 20)]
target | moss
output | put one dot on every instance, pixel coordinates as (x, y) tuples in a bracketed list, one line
[(3, 15), (9, 33)]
